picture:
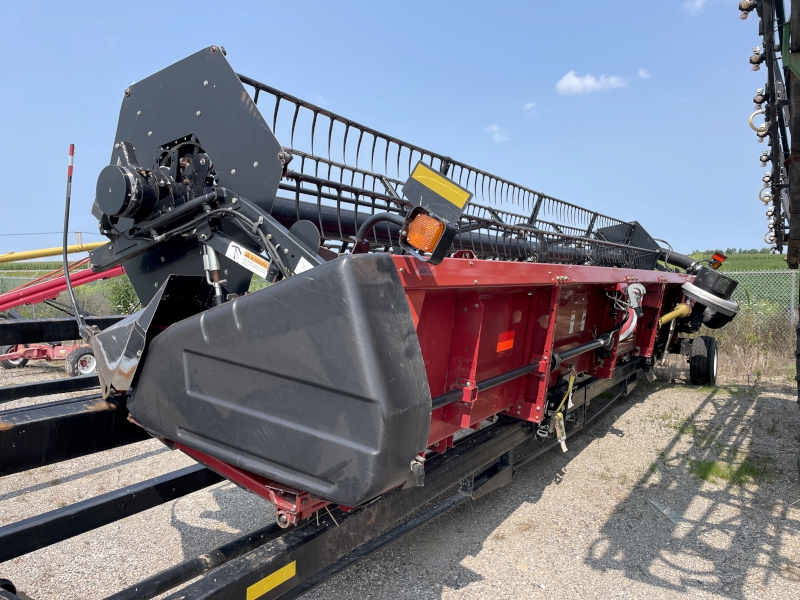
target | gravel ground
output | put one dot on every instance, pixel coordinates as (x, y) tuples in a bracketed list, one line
[(575, 525)]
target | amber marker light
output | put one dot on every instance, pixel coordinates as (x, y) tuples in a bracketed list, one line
[(425, 232)]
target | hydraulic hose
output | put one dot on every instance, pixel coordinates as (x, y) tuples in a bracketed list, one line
[(677, 260), (366, 226)]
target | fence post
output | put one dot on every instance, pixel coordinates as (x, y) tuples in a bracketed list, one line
[(793, 297)]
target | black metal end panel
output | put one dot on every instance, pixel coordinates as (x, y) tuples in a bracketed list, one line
[(199, 95), (317, 382), (632, 234)]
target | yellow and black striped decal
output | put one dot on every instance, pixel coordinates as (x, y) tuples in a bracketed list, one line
[(270, 582), (439, 184), (434, 192)]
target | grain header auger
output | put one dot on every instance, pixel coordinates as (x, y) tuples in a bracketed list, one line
[(412, 296)]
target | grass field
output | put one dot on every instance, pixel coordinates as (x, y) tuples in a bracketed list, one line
[(749, 262)]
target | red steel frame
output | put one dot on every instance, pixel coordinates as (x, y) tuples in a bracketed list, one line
[(46, 352), (48, 287), (49, 290), (477, 319)]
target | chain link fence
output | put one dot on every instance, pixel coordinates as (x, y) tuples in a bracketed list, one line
[(768, 306)]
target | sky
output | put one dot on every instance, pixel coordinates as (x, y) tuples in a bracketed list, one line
[(637, 109)]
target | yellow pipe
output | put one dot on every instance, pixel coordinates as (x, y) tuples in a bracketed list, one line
[(681, 311), (43, 252)]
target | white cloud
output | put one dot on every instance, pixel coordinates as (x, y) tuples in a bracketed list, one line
[(572, 84), (693, 6), (530, 109), (643, 74), (499, 134)]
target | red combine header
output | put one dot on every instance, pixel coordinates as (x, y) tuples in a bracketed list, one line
[(401, 309)]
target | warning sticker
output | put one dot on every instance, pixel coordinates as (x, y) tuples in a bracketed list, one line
[(303, 266), (572, 322), (249, 260), (583, 320)]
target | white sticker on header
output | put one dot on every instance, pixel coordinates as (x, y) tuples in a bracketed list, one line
[(572, 322), (249, 260), (303, 266), (583, 320)]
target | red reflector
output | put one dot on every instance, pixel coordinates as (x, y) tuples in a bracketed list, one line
[(719, 257), (505, 341)]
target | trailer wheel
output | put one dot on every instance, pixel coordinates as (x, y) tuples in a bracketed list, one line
[(5, 584), (11, 364), (80, 361), (703, 361)]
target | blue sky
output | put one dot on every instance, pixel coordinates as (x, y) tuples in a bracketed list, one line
[(635, 108)]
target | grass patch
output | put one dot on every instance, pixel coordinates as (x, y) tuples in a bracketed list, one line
[(747, 471)]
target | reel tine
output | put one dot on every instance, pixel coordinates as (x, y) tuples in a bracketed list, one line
[(313, 129), (275, 114), (294, 122), (358, 146), (344, 143), (330, 136)]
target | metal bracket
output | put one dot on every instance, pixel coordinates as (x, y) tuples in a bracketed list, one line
[(418, 470), (790, 60)]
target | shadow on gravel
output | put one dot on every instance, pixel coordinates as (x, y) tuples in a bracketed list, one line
[(50, 481), (439, 555), (226, 513), (744, 446)]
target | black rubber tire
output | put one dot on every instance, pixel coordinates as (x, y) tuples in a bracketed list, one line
[(703, 361), (5, 584), (11, 364), (73, 365)]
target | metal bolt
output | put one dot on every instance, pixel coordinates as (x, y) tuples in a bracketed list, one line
[(234, 200), (202, 161), (233, 171), (116, 145), (149, 134), (205, 83), (156, 284), (538, 408), (213, 49), (226, 271), (465, 309), (198, 113), (138, 353), (476, 282), (471, 263), (163, 259), (139, 113), (202, 236), (127, 92), (518, 406), (402, 270), (477, 305), (255, 165), (286, 251)]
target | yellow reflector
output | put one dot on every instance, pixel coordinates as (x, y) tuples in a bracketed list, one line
[(425, 232)]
